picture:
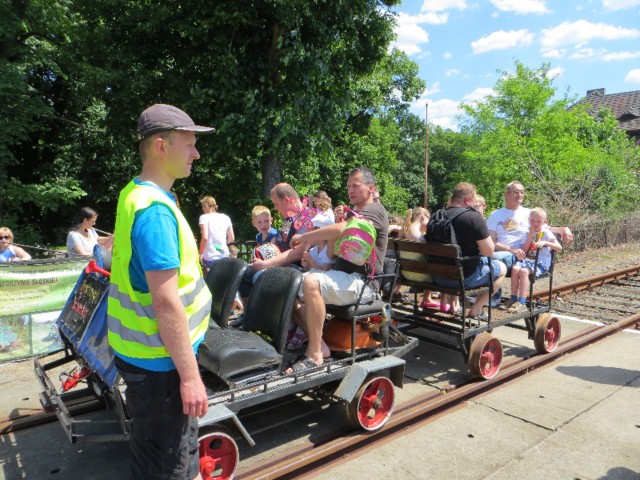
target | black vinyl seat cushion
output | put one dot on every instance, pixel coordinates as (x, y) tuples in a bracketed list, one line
[(223, 281), (228, 353)]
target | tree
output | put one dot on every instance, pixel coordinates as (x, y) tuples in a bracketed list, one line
[(572, 164), (285, 82), (33, 42)]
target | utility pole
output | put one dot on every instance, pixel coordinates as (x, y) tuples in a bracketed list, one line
[(426, 157)]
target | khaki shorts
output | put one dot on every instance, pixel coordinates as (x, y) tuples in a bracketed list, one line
[(339, 288)]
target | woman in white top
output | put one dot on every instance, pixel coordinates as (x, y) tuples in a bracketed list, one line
[(8, 251), (216, 232), (83, 237), (322, 202)]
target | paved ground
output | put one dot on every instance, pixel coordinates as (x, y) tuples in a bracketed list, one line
[(577, 419)]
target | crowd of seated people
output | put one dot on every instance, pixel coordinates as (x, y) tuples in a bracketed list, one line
[(501, 240)]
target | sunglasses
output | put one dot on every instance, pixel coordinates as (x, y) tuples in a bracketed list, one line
[(5, 237)]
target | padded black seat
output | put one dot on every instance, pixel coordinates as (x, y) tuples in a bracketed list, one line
[(348, 311), (223, 280), (233, 355)]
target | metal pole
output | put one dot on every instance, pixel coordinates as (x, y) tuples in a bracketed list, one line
[(426, 157)]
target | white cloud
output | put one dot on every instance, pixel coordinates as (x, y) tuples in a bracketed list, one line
[(435, 88), (554, 53), (444, 112), (409, 38), (430, 18), (410, 35), (555, 72), (479, 94), (633, 76), (587, 53), (502, 40), (620, 56), (619, 4), (447, 55), (581, 32), (452, 72), (441, 5), (521, 7)]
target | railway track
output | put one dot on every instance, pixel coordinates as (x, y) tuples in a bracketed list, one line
[(608, 299), (614, 294)]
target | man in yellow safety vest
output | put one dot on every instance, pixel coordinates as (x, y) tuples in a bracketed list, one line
[(159, 304)]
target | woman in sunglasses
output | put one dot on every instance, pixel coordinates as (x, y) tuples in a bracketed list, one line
[(8, 251)]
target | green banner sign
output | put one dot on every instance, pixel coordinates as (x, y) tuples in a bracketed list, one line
[(32, 295)]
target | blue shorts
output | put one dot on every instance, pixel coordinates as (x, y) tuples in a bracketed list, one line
[(479, 277), (508, 258), (529, 264), (163, 441)]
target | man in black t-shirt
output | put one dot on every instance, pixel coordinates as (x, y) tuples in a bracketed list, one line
[(342, 284), (473, 238)]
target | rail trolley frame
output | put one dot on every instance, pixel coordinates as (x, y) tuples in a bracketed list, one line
[(419, 262)]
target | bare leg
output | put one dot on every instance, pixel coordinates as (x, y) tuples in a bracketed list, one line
[(515, 279), (426, 297), (315, 313), (523, 290)]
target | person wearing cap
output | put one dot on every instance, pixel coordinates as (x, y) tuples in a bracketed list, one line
[(159, 304)]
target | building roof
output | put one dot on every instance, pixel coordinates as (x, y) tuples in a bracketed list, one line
[(625, 107)]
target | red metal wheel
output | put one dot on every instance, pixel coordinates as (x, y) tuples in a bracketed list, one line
[(218, 454), (546, 335), (485, 356), (372, 406)]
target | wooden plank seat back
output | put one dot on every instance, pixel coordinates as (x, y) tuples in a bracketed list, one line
[(234, 355), (420, 262), (223, 280)]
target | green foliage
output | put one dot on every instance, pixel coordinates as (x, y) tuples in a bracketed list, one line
[(572, 164), (287, 83), (298, 90)]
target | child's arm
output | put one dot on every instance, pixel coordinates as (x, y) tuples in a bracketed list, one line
[(527, 244), (552, 243)]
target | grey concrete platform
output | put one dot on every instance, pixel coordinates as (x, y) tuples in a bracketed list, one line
[(577, 419)]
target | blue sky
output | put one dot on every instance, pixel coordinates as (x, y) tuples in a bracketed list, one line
[(461, 44)]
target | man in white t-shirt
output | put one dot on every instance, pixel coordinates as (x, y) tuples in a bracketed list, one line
[(508, 227)]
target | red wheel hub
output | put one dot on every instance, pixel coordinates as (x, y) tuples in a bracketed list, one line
[(490, 358), (376, 403), (218, 456)]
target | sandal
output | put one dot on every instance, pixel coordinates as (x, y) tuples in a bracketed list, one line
[(303, 366), (480, 317), (400, 297), (517, 307), (426, 304)]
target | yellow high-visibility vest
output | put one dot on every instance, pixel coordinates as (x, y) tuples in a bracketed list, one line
[(132, 321)]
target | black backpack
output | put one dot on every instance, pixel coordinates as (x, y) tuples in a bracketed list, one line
[(439, 228)]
